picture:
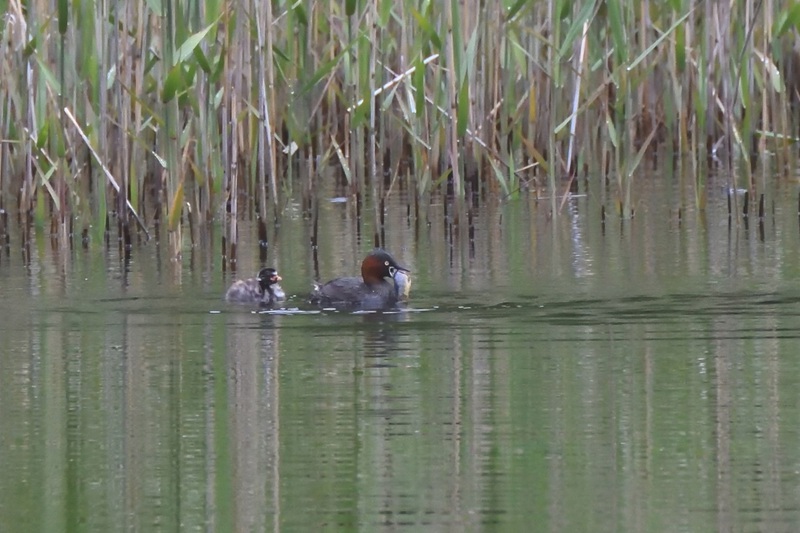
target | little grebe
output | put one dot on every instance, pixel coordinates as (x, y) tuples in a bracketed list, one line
[(263, 289), (372, 290)]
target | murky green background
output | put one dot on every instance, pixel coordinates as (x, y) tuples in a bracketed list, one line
[(549, 374)]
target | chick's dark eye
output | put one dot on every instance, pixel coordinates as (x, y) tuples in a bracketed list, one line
[(392, 271)]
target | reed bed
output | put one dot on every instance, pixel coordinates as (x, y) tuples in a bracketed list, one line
[(164, 116)]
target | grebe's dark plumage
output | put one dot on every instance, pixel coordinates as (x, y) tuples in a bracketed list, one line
[(263, 289), (383, 283)]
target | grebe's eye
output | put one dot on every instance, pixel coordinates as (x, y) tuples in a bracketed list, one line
[(386, 263)]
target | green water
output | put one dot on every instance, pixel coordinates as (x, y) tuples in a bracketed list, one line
[(549, 374)]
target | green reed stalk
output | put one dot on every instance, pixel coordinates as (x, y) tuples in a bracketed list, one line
[(6, 100), (554, 8), (206, 143), (350, 85), (775, 54), (371, 21), (453, 40), (269, 102), (61, 201), (229, 135), (99, 103), (272, 95), (121, 101), (169, 141), (27, 192), (134, 86)]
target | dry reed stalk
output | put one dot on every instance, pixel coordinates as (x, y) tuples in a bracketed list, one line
[(262, 141), (579, 68), (270, 101), (100, 163)]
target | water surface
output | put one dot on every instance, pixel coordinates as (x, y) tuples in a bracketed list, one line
[(550, 373)]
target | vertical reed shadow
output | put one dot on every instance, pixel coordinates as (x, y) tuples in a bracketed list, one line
[(26, 242), (192, 264), (746, 210), (446, 221), (746, 205), (380, 230), (417, 220), (192, 226), (71, 233), (471, 231), (730, 207), (408, 214), (263, 241), (603, 220), (359, 212), (232, 259), (126, 243), (315, 236), (126, 266), (157, 235), (107, 233), (5, 238), (54, 235), (157, 232)]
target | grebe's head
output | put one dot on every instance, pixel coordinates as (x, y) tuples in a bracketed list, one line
[(379, 264)]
